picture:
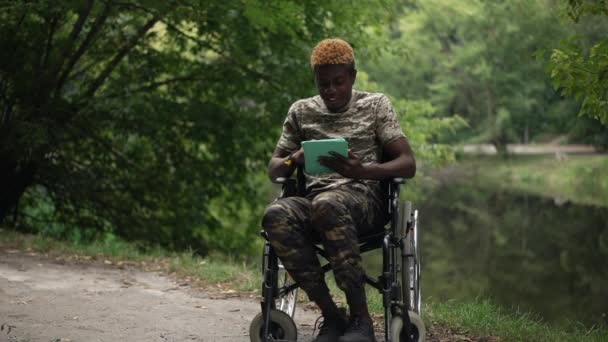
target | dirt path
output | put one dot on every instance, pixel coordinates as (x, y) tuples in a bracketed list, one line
[(44, 300), (49, 299)]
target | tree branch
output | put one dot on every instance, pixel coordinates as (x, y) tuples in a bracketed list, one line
[(209, 46), (200, 42), (105, 145), (49, 44), (231, 60), (154, 85), (43, 58), (8, 111), (83, 14), (4, 101), (97, 25), (20, 21), (119, 56)]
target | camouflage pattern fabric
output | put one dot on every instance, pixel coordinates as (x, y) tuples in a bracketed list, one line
[(334, 218), (368, 123)]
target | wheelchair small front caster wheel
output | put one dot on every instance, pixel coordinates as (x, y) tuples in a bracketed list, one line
[(418, 329), (282, 327)]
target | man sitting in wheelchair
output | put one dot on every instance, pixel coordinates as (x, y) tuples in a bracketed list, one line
[(340, 206)]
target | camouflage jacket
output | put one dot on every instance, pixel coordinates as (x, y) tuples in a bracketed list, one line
[(368, 124)]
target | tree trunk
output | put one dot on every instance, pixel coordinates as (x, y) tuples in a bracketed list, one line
[(501, 147), (15, 178)]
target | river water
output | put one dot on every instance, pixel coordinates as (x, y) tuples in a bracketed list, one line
[(524, 252)]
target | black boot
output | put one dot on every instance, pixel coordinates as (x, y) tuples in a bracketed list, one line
[(359, 329), (331, 328), (360, 326), (334, 319)]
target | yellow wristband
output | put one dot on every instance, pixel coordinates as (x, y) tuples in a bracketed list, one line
[(289, 160)]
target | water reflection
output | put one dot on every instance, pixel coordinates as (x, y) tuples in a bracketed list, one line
[(522, 251)]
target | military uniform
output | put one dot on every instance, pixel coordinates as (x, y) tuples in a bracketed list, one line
[(335, 209)]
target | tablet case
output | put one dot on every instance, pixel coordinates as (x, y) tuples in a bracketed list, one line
[(315, 148)]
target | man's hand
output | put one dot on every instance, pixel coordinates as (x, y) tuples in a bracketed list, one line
[(298, 157), (277, 166), (350, 167)]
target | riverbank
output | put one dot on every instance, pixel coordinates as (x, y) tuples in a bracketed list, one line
[(448, 321), (579, 179)]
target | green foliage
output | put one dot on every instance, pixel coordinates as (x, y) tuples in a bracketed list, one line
[(135, 117), (476, 59), (579, 8), (423, 125), (583, 72)]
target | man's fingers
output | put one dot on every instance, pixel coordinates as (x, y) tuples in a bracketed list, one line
[(332, 159), (332, 163), (337, 155)]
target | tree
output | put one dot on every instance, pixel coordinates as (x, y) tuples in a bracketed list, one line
[(580, 69), (131, 116), (476, 59)]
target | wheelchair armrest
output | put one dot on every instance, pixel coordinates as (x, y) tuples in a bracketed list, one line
[(292, 186), (289, 186)]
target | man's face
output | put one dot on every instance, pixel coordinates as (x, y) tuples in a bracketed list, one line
[(335, 84)]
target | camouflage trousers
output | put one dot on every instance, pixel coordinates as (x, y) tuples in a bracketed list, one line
[(335, 218)]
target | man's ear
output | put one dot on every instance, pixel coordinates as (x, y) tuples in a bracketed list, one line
[(353, 74)]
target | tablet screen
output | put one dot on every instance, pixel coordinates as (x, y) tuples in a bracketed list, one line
[(313, 149)]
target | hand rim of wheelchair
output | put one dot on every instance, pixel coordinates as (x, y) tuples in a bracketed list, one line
[(416, 323), (282, 327), (411, 268), (286, 302)]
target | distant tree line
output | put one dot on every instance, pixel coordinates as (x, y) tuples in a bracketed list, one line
[(487, 61)]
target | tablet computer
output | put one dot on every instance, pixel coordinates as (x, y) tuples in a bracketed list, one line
[(313, 149)]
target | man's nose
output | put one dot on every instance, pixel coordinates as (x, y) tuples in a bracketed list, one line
[(330, 89)]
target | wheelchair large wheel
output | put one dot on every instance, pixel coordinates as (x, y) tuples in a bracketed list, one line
[(282, 327), (398, 333), (411, 268), (286, 301)]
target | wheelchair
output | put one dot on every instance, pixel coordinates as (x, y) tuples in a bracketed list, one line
[(399, 282)]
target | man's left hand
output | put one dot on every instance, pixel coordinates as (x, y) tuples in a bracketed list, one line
[(350, 167)]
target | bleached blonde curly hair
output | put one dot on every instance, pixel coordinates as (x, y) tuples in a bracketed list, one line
[(332, 51)]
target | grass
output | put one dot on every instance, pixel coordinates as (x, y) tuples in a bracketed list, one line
[(221, 271), (580, 179), (231, 275), (484, 318)]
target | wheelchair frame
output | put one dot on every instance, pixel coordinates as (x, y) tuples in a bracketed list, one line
[(401, 295)]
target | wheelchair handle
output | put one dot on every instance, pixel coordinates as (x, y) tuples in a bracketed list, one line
[(283, 180), (398, 180)]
